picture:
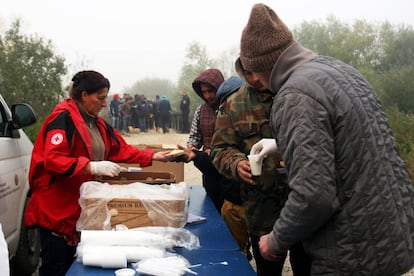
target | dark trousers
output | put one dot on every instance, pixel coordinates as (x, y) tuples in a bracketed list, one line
[(165, 122), (299, 260), (211, 178), (263, 266), (211, 183), (185, 126), (56, 255)]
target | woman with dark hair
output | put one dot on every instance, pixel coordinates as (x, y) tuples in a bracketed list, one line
[(73, 145)]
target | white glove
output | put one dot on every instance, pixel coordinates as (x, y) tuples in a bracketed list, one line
[(104, 168), (264, 147)]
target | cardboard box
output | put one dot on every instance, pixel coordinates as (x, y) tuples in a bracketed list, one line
[(132, 213), (161, 209), (177, 168), (144, 177)]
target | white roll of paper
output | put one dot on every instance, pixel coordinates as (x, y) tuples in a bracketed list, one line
[(136, 238), (136, 253), (114, 258), (132, 253)]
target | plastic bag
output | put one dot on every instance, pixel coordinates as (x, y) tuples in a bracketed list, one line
[(104, 205)]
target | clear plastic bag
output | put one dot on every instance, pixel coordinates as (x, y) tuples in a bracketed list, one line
[(104, 205), (113, 249)]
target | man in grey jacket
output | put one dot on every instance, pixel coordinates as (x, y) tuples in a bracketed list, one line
[(351, 201)]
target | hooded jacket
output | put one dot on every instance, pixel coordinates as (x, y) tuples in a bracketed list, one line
[(228, 87), (61, 152), (351, 200), (202, 127)]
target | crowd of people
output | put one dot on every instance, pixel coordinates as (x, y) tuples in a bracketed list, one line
[(144, 114), (139, 112), (333, 191)]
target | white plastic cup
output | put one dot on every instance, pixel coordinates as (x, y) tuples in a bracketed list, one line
[(125, 272), (255, 164)]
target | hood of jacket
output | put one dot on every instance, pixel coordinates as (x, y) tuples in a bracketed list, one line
[(211, 77), (229, 86)]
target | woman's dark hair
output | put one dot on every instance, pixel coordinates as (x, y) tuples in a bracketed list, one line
[(89, 81)]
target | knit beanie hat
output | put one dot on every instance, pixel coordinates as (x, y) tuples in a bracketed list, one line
[(239, 68), (263, 39)]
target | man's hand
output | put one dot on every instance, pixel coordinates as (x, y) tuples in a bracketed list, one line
[(107, 168), (161, 156), (265, 250), (243, 170), (264, 147)]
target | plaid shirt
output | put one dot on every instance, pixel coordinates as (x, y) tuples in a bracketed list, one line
[(195, 139)]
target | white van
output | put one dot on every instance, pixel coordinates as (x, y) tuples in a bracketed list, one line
[(15, 153)]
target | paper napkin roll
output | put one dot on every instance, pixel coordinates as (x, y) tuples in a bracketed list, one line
[(132, 253), (116, 258), (136, 238)]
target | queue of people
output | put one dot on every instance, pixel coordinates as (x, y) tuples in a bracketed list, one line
[(137, 112), (144, 114), (333, 194)]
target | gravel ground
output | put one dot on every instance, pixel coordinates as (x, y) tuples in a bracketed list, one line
[(191, 174)]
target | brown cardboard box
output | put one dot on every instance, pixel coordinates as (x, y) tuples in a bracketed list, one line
[(177, 168), (133, 210), (132, 213), (144, 177)]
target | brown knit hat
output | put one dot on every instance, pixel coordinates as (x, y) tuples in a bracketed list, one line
[(263, 40), (239, 68)]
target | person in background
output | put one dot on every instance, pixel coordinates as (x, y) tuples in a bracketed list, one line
[(185, 110), (156, 110), (351, 199), (165, 114), (126, 113), (114, 111), (74, 145), (205, 86), (134, 117), (143, 111), (242, 121), (4, 254), (150, 118)]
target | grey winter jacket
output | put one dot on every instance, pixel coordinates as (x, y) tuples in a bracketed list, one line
[(352, 202)]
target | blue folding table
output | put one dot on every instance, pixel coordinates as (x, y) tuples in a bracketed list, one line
[(219, 254)]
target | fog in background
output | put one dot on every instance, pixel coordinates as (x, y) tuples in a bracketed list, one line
[(129, 40)]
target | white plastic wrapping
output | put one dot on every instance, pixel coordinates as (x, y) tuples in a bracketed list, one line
[(157, 200), (114, 249), (105, 255), (161, 237), (94, 256), (174, 265)]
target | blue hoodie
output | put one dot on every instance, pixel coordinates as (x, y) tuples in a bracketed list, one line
[(228, 87)]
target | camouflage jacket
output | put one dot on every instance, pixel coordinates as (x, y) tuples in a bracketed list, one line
[(243, 120)]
